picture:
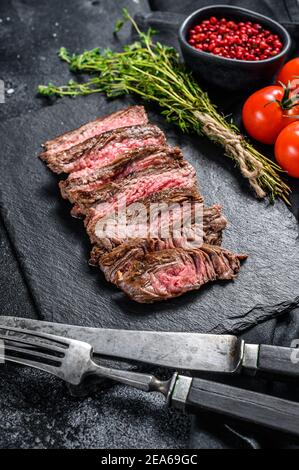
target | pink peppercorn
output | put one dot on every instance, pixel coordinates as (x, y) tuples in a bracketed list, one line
[(235, 40)]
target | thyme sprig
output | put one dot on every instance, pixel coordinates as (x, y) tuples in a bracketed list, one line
[(153, 71)]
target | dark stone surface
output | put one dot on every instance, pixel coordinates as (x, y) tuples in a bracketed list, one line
[(15, 296), (53, 248), (37, 412), (32, 31)]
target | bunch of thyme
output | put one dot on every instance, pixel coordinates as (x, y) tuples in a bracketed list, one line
[(154, 72)]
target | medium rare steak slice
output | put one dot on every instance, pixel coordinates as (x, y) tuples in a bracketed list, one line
[(168, 196), (135, 189), (170, 273), (147, 276), (102, 150), (86, 190), (116, 248), (90, 199), (170, 226), (131, 116)]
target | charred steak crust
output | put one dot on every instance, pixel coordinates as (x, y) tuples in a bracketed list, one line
[(88, 153), (171, 273), (147, 275), (133, 115)]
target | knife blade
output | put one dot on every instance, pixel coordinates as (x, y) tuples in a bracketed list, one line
[(180, 351)]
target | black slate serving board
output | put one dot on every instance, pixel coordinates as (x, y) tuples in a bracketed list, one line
[(53, 248)]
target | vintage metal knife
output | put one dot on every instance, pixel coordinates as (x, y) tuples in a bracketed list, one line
[(179, 351)]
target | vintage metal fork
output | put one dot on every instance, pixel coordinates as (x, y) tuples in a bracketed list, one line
[(71, 361), (68, 359)]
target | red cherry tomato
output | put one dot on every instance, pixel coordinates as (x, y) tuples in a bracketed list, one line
[(263, 118), (287, 149), (289, 73)]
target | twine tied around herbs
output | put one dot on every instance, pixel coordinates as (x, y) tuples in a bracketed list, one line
[(232, 144)]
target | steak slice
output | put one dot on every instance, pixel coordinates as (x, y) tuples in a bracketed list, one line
[(147, 276), (118, 247), (173, 226), (147, 172), (131, 116), (86, 190), (134, 189), (102, 150)]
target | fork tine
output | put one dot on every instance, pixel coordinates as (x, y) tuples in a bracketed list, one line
[(28, 352), (15, 339), (36, 365), (71, 368), (58, 339)]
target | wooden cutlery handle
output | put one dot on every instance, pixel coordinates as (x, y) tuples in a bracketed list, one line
[(278, 361), (235, 403)]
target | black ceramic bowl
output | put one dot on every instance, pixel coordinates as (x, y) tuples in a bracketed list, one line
[(232, 74)]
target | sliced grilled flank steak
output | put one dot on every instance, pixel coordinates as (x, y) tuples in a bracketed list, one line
[(132, 116), (210, 233), (166, 233), (102, 150), (146, 275), (146, 175), (85, 190), (134, 189), (169, 196), (170, 227), (122, 258), (152, 235), (170, 273)]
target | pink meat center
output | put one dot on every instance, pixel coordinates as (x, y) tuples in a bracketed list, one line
[(174, 279), (105, 156), (133, 167), (99, 128), (146, 186)]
